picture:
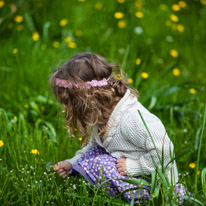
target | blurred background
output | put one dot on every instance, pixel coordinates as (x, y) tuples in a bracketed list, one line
[(159, 44)]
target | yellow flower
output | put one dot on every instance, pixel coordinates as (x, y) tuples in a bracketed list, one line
[(174, 53), (130, 80), (139, 14), (163, 7), (120, 1), (176, 72), (79, 33), (20, 27), (168, 22), (182, 4), (192, 165), (18, 19), (98, 5), (122, 24), (198, 172), (192, 91), (138, 61), (1, 4), (203, 2), (80, 138), (175, 7), (63, 22), (144, 75), (174, 18), (15, 117), (180, 28), (72, 45), (1, 143), (67, 39), (15, 51), (55, 44), (35, 151), (118, 76), (26, 106), (118, 15), (35, 36)]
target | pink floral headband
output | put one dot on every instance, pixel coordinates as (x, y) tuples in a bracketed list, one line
[(89, 84)]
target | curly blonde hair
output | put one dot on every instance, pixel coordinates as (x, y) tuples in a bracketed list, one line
[(86, 107)]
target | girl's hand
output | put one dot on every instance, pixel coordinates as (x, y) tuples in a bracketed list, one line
[(62, 168), (121, 166)]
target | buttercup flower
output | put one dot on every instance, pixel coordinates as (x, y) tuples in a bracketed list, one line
[(1, 4), (138, 61), (180, 28), (120, 1), (63, 22), (130, 80), (15, 117), (174, 53), (35, 36), (174, 18), (192, 91), (118, 15), (192, 165), (72, 45), (15, 51), (98, 5), (122, 24), (18, 19), (139, 14), (1, 143), (55, 44), (144, 75), (182, 4), (175, 7), (35, 151), (67, 39), (176, 72), (80, 138)]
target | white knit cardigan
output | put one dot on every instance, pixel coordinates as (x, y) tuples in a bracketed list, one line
[(127, 137)]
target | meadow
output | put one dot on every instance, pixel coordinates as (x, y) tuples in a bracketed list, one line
[(161, 47)]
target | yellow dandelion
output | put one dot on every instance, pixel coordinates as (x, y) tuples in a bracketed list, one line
[(121, 1), (1, 143), (43, 46), (193, 91), (203, 2), (168, 22), (182, 4), (144, 75), (192, 165), (122, 24), (55, 44), (20, 27), (80, 138), (63, 22), (67, 39), (139, 14), (79, 33), (35, 36), (180, 28), (174, 18), (72, 45), (130, 80), (15, 51), (1, 4), (35, 151), (18, 19), (175, 7), (163, 7), (98, 6), (118, 15), (26, 106), (138, 61), (174, 53), (15, 117), (176, 72)]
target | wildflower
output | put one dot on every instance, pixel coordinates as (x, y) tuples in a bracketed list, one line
[(15, 117), (176, 72), (79, 33), (138, 30), (192, 165), (20, 27), (122, 24), (55, 44), (163, 7), (67, 39), (118, 15), (35, 151), (192, 91), (1, 4), (138, 61), (98, 6), (175, 7), (198, 172), (35, 36), (18, 19), (130, 80), (139, 14), (182, 4), (121, 1), (72, 45), (144, 75), (15, 51), (168, 22), (174, 53), (180, 28), (203, 2), (1, 143), (174, 18), (63, 22), (80, 138)]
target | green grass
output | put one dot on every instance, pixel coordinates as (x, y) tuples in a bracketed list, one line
[(29, 118)]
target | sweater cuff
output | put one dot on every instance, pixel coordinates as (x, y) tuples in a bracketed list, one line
[(74, 159), (133, 167)]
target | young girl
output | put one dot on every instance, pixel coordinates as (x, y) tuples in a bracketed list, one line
[(118, 145)]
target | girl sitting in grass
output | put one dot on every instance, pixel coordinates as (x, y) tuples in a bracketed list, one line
[(116, 143)]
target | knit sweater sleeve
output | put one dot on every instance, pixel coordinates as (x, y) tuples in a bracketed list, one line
[(133, 130)]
